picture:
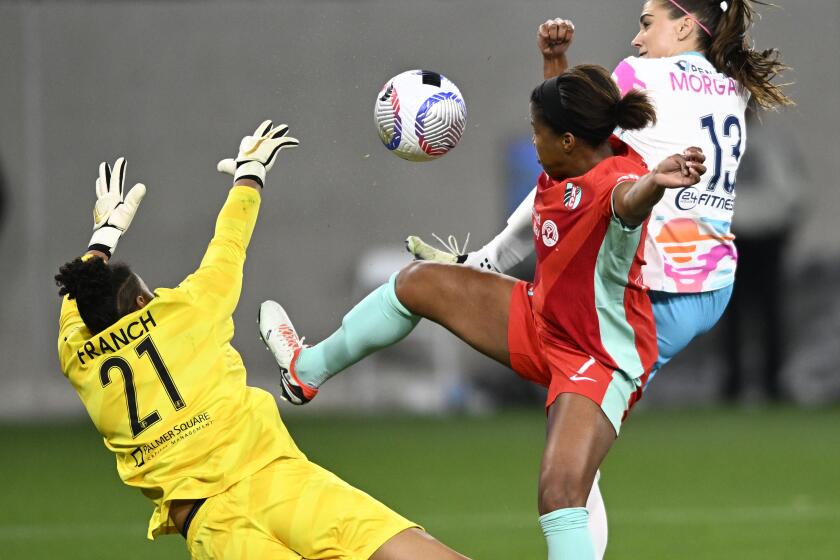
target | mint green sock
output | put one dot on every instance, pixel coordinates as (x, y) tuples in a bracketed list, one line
[(376, 322), (567, 534)]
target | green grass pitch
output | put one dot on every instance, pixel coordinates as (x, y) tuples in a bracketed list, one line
[(755, 484)]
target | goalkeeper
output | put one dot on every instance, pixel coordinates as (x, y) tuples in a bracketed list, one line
[(165, 388)]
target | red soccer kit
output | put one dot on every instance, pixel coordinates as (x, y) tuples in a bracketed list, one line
[(586, 325)]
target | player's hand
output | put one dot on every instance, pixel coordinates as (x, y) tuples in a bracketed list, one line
[(422, 251), (554, 37), (113, 212), (454, 253), (680, 170), (258, 152)]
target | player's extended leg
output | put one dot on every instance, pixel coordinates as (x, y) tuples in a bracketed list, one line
[(294, 509), (472, 304), (412, 544), (579, 437)]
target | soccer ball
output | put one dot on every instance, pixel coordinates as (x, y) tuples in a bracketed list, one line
[(420, 115)]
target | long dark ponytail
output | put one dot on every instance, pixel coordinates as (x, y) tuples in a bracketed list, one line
[(586, 102), (729, 46)]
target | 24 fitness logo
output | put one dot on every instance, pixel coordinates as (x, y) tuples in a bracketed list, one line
[(688, 198)]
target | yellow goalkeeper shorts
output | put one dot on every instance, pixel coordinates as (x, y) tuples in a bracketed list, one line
[(292, 509)]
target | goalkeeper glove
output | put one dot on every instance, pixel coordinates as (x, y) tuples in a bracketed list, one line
[(422, 251), (258, 152), (453, 254), (113, 213)]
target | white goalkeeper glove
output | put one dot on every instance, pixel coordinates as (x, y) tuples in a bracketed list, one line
[(113, 213), (258, 152)]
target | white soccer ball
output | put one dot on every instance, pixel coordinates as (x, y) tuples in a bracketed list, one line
[(420, 115)]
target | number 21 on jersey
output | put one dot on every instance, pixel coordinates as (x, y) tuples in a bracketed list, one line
[(147, 347)]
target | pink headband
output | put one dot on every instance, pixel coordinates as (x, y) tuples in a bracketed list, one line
[(697, 21)]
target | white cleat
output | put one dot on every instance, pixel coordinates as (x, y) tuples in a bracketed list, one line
[(282, 341)]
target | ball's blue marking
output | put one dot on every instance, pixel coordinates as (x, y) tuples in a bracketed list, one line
[(419, 120), (397, 137), (395, 105)]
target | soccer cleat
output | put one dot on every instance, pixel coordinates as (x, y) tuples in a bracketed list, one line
[(280, 338)]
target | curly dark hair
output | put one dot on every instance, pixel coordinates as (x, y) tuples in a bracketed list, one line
[(104, 292)]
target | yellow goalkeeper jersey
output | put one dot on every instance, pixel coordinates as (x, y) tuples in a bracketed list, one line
[(166, 389)]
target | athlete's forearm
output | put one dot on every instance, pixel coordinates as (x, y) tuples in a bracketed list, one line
[(238, 217), (554, 66), (633, 202), (218, 280)]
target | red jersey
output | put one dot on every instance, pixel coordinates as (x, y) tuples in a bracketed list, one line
[(588, 292)]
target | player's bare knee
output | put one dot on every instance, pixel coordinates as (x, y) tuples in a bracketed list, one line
[(412, 283)]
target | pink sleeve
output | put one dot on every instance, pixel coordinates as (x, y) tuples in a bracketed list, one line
[(625, 76)]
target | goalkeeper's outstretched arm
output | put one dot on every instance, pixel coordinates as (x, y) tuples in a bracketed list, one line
[(218, 281)]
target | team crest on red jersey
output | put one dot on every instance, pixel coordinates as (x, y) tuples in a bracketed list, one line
[(571, 196), (549, 233)]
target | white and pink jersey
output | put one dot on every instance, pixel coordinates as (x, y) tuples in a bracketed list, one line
[(689, 246)]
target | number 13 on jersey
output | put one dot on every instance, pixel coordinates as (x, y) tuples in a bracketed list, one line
[(732, 130)]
